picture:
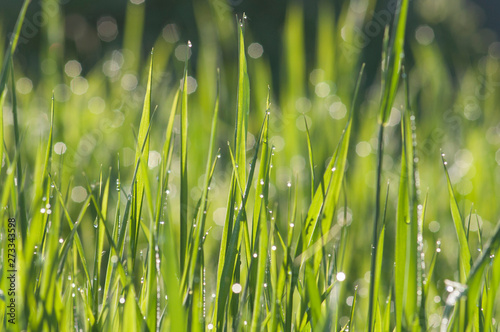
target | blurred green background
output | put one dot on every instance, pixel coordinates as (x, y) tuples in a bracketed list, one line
[(266, 22)]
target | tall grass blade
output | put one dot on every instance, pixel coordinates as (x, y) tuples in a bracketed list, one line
[(465, 256), (393, 61), (14, 39), (183, 164)]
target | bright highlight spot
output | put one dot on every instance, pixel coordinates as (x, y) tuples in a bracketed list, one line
[(60, 148), (78, 194), (236, 288), (255, 50)]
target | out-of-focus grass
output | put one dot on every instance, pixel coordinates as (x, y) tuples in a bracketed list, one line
[(157, 220)]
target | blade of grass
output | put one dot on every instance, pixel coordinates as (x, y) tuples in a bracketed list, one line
[(379, 257), (2, 100), (183, 166), (391, 66), (12, 46), (465, 256), (141, 153), (311, 159), (22, 211), (228, 268), (393, 56), (320, 213)]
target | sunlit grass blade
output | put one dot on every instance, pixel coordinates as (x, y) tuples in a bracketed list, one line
[(394, 52), (261, 194), (350, 325), (475, 278), (387, 314), (170, 126), (403, 220), (313, 296), (23, 219), (194, 261), (183, 167), (465, 257), (99, 243), (261, 260), (432, 265), (141, 155), (311, 159), (378, 268), (243, 107), (2, 100), (233, 244), (320, 214), (241, 128), (494, 285), (12, 45)]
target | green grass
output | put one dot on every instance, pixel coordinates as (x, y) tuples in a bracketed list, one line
[(282, 221)]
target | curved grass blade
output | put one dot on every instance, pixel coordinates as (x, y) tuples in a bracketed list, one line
[(475, 278)]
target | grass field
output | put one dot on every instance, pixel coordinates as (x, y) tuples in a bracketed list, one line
[(157, 193)]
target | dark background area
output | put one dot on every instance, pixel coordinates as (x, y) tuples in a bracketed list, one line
[(266, 21)]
